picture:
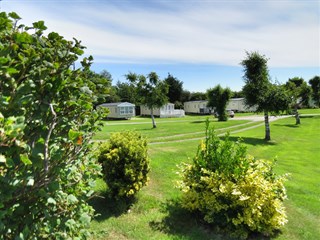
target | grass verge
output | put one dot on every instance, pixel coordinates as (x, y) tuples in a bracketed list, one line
[(156, 214)]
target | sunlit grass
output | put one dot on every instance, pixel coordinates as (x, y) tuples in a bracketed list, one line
[(156, 216)]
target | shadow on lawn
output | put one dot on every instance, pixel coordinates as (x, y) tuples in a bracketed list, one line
[(286, 125), (186, 225), (106, 207), (182, 223), (250, 140)]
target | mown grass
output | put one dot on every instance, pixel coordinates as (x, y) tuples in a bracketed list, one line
[(156, 214), (165, 128), (297, 149)]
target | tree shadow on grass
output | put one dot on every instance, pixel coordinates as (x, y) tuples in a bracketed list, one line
[(106, 206), (309, 116), (199, 121), (286, 125), (250, 140), (183, 224)]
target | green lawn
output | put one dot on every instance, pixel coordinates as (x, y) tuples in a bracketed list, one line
[(155, 214), (187, 128)]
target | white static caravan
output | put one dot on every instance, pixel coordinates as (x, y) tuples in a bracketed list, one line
[(238, 105), (120, 110), (165, 111), (197, 107)]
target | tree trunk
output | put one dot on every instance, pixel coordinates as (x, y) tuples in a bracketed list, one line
[(267, 126), (154, 125), (297, 114)]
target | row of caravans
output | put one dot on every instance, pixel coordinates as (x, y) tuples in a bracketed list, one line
[(127, 110), (200, 107)]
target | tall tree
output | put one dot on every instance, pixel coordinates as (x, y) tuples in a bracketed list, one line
[(101, 87), (218, 99), (299, 92), (185, 96), (47, 120), (127, 92), (175, 90), (196, 96), (315, 85), (151, 90), (259, 91), (237, 94)]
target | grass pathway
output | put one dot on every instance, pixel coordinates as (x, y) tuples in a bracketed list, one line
[(256, 122)]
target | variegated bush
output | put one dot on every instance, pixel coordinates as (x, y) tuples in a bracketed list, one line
[(232, 189)]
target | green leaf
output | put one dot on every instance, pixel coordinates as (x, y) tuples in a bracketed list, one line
[(51, 201), (73, 135), (72, 199), (12, 70), (85, 219), (25, 159), (3, 60), (39, 25), (14, 16)]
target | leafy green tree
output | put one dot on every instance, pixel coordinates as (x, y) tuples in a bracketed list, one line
[(315, 85), (127, 92), (112, 95), (185, 96), (237, 94), (101, 86), (299, 92), (47, 119), (175, 90), (195, 96), (259, 91), (218, 99), (151, 90)]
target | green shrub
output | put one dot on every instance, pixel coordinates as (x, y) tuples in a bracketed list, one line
[(47, 168), (233, 190), (125, 163)]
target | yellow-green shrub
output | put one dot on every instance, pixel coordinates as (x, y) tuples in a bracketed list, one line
[(125, 163), (233, 190)]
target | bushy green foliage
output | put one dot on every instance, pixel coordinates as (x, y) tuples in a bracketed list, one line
[(233, 190), (125, 163), (47, 168), (218, 99)]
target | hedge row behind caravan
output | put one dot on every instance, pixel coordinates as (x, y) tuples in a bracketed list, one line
[(120, 110), (165, 111)]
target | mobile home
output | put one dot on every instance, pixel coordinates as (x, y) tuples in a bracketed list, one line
[(238, 105), (166, 111), (197, 107), (120, 110)]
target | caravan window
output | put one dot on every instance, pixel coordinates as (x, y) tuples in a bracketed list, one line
[(126, 110)]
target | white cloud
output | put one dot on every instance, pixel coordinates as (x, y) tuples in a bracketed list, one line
[(198, 32)]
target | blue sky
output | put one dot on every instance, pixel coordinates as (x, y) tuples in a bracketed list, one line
[(199, 42)]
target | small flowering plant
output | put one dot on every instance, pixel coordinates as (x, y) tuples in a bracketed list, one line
[(232, 189)]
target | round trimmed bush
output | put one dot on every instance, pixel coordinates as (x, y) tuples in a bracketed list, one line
[(233, 190), (125, 163)]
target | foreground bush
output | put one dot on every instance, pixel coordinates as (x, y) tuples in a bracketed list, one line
[(233, 190), (47, 168), (125, 163)]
